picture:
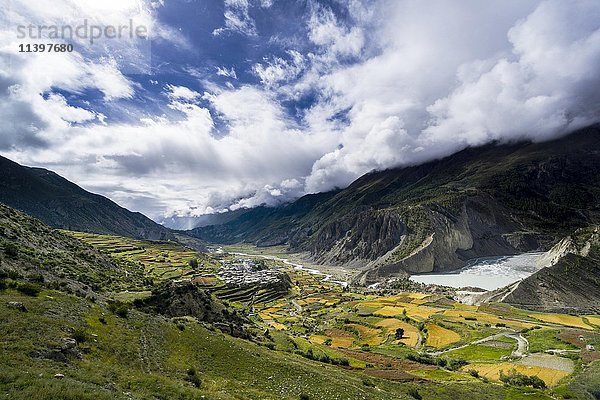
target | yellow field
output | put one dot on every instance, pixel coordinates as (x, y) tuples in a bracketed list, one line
[(486, 318), (277, 325), (561, 319), (265, 316), (340, 338), (440, 337), (389, 311), (461, 306), (492, 371), (318, 339), (368, 335), (411, 334), (593, 320), (421, 312), (418, 296), (342, 341)]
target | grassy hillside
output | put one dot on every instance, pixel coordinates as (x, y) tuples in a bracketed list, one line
[(62, 204), (145, 331)]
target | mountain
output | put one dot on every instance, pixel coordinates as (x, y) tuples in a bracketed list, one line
[(497, 199), (62, 204), (569, 282)]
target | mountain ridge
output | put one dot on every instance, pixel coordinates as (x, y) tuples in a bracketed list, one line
[(484, 201), (62, 204)]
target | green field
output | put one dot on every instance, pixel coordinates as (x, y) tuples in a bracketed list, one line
[(320, 341)]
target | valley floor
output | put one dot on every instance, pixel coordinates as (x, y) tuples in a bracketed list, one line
[(316, 340)]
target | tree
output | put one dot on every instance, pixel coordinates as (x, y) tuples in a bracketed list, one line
[(399, 333), (194, 263)]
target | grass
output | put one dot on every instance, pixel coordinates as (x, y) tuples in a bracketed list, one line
[(151, 357), (479, 353), (545, 339)]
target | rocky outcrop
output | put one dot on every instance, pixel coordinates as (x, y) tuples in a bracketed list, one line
[(568, 279), (570, 285), (480, 227), (181, 299)]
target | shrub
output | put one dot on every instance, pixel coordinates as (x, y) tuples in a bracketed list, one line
[(119, 308), (304, 396), (474, 373), (193, 263), (515, 378), (414, 393), (3, 285), (11, 250), (367, 382), (102, 320), (29, 289), (80, 335), (193, 378)]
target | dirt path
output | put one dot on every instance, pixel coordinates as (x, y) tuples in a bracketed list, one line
[(520, 352)]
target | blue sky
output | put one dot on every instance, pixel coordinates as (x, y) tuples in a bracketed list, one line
[(249, 102)]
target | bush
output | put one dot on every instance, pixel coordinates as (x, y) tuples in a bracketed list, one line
[(304, 396), (193, 263), (80, 335), (474, 373), (414, 393), (119, 308), (368, 382), (3, 285), (193, 378), (29, 289), (11, 250), (515, 378)]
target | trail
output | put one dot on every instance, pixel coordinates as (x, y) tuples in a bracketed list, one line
[(520, 352)]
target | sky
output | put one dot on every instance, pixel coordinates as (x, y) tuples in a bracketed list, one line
[(229, 104)]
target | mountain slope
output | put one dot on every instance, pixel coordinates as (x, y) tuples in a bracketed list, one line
[(32, 251), (570, 282), (491, 200), (62, 204)]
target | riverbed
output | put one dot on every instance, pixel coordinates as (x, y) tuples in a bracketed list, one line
[(487, 273)]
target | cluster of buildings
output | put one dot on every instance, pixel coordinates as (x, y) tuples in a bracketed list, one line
[(247, 272)]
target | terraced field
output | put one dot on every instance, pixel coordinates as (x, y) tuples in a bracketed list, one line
[(439, 337), (331, 324), (161, 260)]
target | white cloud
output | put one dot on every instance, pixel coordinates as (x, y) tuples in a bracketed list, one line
[(435, 86), (181, 93), (279, 70), (237, 18), (395, 83), (228, 73)]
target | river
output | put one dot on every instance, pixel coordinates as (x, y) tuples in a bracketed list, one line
[(487, 273)]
